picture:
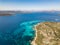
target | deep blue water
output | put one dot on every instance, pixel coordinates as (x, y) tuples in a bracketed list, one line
[(17, 29)]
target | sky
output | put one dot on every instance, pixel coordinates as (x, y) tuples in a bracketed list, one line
[(30, 5)]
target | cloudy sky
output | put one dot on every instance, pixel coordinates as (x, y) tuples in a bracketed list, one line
[(30, 5)]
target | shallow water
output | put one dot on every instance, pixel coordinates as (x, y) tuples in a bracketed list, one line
[(18, 29)]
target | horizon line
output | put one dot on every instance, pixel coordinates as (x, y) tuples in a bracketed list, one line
[(29, 10)]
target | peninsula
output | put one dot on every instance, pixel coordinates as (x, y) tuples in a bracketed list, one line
[(47, 33)]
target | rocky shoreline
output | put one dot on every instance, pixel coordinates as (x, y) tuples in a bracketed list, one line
[(47, 33)]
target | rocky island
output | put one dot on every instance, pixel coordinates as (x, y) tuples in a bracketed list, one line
[(47, 33)]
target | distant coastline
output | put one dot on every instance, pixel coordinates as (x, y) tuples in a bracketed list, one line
[(4, 13), (8, 13)]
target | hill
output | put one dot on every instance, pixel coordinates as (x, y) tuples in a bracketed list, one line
[(47, 33)]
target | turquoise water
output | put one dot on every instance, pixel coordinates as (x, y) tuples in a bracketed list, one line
[(28, 33), (18, 29)]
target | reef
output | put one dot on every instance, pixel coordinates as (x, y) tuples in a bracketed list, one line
[(23, 35)]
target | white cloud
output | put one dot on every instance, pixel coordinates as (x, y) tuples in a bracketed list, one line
[(29, 7)]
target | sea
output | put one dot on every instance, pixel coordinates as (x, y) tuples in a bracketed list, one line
[(17, 29)]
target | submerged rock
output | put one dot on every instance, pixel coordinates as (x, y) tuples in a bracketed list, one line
[(23, 35)]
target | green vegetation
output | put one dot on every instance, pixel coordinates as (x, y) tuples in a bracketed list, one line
[(48, 33)]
